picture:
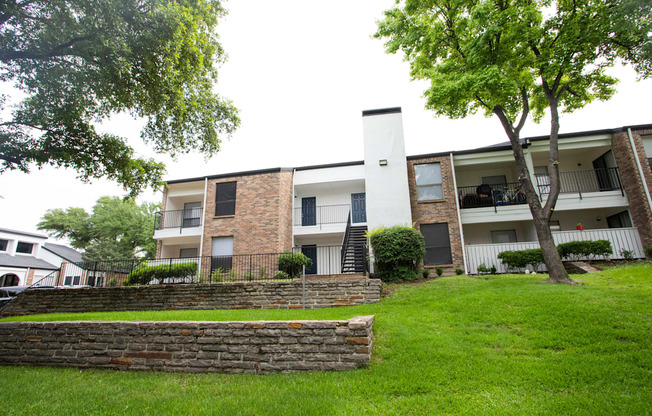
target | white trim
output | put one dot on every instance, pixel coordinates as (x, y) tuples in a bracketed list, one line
[(203, 226)]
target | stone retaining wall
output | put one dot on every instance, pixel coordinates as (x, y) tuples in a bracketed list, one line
[(268, 295), (226, 347)]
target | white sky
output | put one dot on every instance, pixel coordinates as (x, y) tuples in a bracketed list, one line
[(301, 72)]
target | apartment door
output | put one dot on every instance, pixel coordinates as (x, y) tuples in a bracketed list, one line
[(222, 254), (310, 251), (308, 211), (358, 208), (191, 214)]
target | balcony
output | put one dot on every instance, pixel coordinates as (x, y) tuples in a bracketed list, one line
[(178, 223), (582, 182), (321, 215), (480, 196)]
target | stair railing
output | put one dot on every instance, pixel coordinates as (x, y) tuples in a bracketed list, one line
[(345, 240)]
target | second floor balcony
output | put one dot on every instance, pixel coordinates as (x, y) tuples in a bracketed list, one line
[(311, 215), (179, 219)]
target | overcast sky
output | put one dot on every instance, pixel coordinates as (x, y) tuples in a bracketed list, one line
[(301, 72)]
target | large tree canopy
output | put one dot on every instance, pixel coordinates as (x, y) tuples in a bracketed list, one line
[(117, 229), (521, 58), (79, 61)]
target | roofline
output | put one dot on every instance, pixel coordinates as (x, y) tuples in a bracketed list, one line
[(53, 267), (57, 254), (381, 111), (331, 165), (230, 175), (7, 230)]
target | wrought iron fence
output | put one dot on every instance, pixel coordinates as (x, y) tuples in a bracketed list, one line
[(322, 214), (477, 196), (582, 181), (326, 260), (181, 218)]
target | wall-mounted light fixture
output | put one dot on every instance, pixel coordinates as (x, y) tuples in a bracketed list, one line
[(382, 162)]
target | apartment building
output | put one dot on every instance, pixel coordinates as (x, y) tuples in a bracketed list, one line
[(467, 204)]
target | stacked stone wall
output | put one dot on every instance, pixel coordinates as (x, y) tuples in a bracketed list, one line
[(268, 295), (226, 347)]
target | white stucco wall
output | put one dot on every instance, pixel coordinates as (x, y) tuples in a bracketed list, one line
[(388, 196)]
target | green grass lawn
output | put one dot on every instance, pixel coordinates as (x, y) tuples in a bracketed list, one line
[(507, 344)]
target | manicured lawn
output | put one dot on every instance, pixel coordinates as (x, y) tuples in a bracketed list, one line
[(458, 345)]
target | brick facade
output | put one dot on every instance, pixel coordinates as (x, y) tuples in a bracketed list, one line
[(440, 211), (631, 180), (263, 214), (258, 347)]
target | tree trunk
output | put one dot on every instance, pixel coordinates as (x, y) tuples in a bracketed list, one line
[(556, 271)]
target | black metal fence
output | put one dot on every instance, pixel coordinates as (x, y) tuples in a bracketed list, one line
[(477, 196), (181, 218), (326, 260), (582, 181)]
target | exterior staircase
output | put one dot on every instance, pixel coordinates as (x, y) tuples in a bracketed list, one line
[(354, 250)]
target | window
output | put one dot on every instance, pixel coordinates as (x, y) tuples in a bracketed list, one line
[(25, 248), (192, 214), (188, 252), (503, 236), (3, 245), (225, 199), (620, 220), (438, 245), (429, 184), (647, 145)]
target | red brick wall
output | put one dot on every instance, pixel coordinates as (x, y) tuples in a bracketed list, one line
[(441, 211), (262, 222), (631, 180)]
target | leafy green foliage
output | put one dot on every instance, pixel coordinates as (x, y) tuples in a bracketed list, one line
[(397, 252), (520, 259), (459, 272), (79, 61), (118, 229), (425, 273), (575, 250), (145, 274), (280, 275), (439, 271), (292, 264), (648, 252)]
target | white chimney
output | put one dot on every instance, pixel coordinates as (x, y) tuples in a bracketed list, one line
[(386, 178)]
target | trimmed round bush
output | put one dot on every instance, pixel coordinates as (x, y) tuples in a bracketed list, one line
[(145, 274), (397, 253), (292, 263)]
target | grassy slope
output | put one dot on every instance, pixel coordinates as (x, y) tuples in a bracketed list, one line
[(458, 345)]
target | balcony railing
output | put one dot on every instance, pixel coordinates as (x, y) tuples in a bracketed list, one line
[(181, 218), (478, 196), (323, 214), (582, 181)]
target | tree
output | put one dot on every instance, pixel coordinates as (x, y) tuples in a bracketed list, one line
[(518, 58), (80, 61), (117, 229)]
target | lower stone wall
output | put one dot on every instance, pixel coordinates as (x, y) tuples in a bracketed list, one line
[(225, 347), (268, 295)]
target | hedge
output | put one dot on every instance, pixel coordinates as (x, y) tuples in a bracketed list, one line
[(397, 253), (575, 250), (145, 274), (520, 259)]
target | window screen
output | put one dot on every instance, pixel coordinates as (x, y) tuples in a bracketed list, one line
[(225, 199), (429, 184), (620, 220), (187, 252), (503, 236), (3, 245), (438, 245)]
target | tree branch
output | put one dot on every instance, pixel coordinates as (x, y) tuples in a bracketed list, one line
[(7, 55)]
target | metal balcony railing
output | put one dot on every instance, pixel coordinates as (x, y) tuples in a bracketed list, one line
[(322, 214), (181, 218), (583, 181), (477, 196)]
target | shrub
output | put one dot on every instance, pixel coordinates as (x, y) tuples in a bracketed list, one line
[(232, 275), (262, 272), (112, 282), (397, 252), (482, 268), (292, 263), (627, 254), (281, 275), (459, 272), (493, 269), (145, 274), (648, 252), (439, 271), (575, 250), (217, 275), (425, 273), (520, 259), (249, 276)]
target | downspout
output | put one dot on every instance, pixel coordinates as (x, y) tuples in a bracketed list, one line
[(294, 171), (640, 169), (459, 215), (203, 226)]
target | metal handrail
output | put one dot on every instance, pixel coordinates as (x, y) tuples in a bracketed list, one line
[(324, 214), (582, 181), (179, 218)]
